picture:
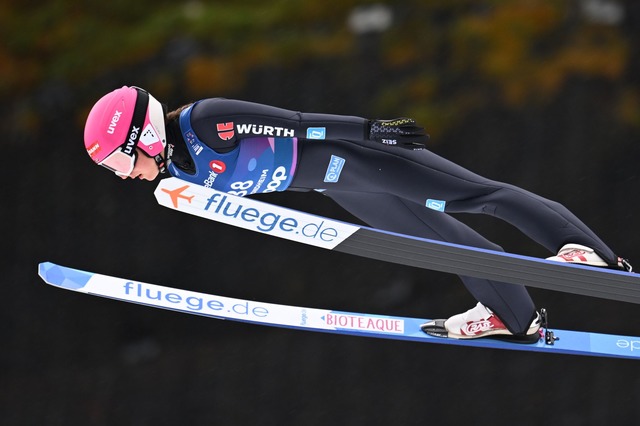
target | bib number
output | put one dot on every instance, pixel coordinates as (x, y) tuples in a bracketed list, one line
[(240, 188)]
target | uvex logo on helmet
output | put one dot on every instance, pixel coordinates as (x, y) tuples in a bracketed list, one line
[(114, 122), (131, 142)]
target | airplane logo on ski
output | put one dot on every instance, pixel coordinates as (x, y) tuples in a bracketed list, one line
[(175, 194)]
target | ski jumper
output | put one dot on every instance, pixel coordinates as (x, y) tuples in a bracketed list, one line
[(397, 190)]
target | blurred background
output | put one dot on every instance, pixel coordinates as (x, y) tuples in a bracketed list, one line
[(544, 94)]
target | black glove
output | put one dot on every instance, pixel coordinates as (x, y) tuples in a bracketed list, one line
[(400, 132)]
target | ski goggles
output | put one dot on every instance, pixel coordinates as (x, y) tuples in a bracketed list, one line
[(119, 162), (123, 160)]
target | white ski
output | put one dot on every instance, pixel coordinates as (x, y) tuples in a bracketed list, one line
[(312, 319)]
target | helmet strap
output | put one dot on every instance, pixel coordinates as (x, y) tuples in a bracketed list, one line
[(160, 163), (137, 121)]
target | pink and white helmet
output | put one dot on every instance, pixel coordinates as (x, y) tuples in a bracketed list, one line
[(119, 122)]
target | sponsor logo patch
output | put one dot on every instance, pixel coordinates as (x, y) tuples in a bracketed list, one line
[(94, 149), (476, 327), (334, 169), (262, 130), (225, 131), (438, 205), (364, 323), (218, 166), (316, 133)]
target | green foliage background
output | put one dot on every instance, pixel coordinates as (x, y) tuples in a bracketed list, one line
[(440, 59)]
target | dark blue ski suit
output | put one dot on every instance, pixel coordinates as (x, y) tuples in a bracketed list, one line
[(409, 192)]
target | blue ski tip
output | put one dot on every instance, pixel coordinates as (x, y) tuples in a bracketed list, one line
[(61, 276)]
